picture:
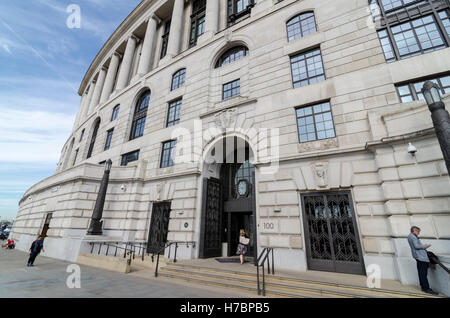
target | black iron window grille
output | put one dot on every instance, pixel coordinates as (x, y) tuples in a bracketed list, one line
[(109, 136), (115, 112), (168, 153), (140, 115), (408, 28), (197, 21), (165, 39), (174, 113), (233, 54), (178, 79), (307, 68), (301, 25), (315, 122), (409, 92), (231, 89), (130, 157)]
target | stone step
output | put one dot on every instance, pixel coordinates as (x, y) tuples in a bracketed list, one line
[(288, 285)]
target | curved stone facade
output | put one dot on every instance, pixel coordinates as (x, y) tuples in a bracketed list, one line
[(390, 190)]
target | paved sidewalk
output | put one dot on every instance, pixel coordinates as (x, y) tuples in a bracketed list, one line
[(48, 279)]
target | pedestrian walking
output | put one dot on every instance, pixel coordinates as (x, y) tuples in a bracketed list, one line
[(242, 246), (35, 249), (419, 253)]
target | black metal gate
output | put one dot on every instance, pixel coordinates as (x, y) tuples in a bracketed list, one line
[(331, 234), (159, 227), (211, 241)]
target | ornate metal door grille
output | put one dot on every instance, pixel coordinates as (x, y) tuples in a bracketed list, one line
[(159, 227), (212, 214), (331, 235)]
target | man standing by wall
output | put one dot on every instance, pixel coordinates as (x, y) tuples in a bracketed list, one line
[(35, 249), (419, 253)]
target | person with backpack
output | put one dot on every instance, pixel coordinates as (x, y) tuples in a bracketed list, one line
[(35, 249)]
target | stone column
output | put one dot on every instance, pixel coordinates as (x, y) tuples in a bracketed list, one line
[(147, 46), (110, 77), (223, 15), (88, 101), (98, 89), (125, 69), (176, 27), (212, 18)]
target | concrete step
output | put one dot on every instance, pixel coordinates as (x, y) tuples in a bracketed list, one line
[(279, 285)]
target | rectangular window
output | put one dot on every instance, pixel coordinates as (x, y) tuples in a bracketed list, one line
[(82, 135), (130, 157), (115, 113), (197, 21), (238, 8), (231, 89), (445, 18), (386, 44), (413, 91), (168, 153), (315, 122), (139, 127), (174, 113), (75, 157), (307, 68), (165, 39), (109, 138)]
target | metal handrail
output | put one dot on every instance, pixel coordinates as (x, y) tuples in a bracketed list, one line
[(129, 249), (163, 249), (260, 262)]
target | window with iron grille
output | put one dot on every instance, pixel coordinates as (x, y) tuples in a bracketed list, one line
[(409, 92), (115, 113), (315, 122), (233, 54), (140, 115), (408, 28), (94, 136), (301, 25), (109, 138), (178, 79), (130, 157), (238, 8), (307, 68), (197, 21), (174, 113), (165, 39), (168, 153), (231, 89)]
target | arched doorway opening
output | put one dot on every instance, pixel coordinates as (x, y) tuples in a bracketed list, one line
[(228, 198)]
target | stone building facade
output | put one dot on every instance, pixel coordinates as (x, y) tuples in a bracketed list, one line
[(332, 86)]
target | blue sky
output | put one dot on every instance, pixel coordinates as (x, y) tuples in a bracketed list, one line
[(42, 62)]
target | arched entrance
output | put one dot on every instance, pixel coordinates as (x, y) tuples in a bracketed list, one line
[(228, 198)]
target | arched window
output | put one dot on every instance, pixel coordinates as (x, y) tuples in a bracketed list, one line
[(233, 54), (94, 136), (178, 79), (301, 25), (140, 115)]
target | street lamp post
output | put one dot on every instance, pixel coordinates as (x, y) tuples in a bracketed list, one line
[(95, 227), (440, 117)]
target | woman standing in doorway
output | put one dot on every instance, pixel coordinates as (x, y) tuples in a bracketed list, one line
[(242, 246)]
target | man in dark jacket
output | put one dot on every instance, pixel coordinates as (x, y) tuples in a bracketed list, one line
[(418, 251), (35, 249)]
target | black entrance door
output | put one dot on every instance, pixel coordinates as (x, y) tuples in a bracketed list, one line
[(211, 245), (159, 227), (331, 235)]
